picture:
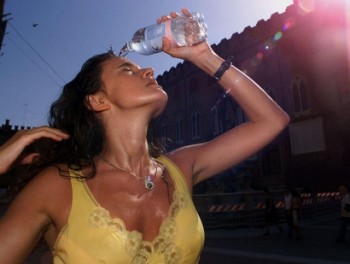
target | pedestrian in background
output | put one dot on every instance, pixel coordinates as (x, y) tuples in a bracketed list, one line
[(296, 204), (271, 216), (288, 211), (344, 213)]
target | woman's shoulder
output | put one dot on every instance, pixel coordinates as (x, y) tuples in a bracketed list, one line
[(46, 199), (50, 175), (48, 185), (183, 166)]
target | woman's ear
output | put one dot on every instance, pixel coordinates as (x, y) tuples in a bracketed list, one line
[(97, 102)]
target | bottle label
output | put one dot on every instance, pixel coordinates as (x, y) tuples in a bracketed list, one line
[(154, 35)]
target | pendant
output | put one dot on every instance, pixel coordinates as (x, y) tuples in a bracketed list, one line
[(149, 184)]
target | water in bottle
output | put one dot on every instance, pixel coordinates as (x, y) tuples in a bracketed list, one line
[(181, 31)]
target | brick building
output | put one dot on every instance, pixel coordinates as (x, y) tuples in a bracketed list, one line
[(301, 58)]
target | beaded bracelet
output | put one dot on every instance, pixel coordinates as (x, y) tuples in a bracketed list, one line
[(224, 66)]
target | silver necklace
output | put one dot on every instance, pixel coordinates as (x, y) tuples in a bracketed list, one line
[(148, 181)]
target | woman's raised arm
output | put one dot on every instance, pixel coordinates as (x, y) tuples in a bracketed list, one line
[(265, 119)]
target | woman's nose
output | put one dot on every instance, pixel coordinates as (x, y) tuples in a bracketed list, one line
[(148, 72)]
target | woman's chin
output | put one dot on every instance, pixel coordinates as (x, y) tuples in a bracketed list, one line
[(160, 106)]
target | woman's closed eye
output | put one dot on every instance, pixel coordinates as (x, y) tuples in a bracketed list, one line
[(127, 68)]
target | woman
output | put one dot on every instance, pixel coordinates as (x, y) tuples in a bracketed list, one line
[(344, 213), (118, 200)]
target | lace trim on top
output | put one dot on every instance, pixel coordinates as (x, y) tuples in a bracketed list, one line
[(138, 249)]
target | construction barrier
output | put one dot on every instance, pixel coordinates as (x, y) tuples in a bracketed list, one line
[(248, 208)]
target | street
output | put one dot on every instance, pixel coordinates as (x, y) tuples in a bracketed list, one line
[(244, 245)]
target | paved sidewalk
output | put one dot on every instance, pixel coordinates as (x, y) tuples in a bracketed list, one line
[(244, 245)]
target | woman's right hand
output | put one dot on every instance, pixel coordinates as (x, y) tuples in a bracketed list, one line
[(11, 149), (189, 53)]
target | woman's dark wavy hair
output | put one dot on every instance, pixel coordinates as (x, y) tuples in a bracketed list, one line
[(71, 114)]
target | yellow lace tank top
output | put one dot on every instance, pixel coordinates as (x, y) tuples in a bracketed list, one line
[(91, 236)]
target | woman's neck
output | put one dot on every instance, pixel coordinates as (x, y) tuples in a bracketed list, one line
[(127, 146)]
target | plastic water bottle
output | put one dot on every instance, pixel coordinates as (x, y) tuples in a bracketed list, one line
[(181, 31)]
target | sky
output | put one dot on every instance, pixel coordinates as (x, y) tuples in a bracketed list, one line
[(46, 42)]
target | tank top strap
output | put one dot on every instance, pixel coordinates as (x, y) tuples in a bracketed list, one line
[(175, 173), (81, 197)]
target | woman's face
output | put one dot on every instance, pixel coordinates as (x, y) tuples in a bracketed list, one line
[(129, 87)]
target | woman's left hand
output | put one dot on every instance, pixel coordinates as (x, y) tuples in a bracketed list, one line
[(11, 150)]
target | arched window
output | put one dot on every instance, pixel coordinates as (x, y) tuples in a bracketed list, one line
[(179, 130), (238, 115), (195, 125), (217, 126), (300, 97), (215, 120)]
